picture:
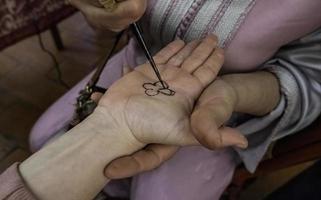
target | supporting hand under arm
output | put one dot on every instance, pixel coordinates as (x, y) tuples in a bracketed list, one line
[(255, 93)]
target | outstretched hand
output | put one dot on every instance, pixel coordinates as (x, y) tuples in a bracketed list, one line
[(196, 64), (164, 117)]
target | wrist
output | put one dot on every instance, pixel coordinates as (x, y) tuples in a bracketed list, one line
[(78, 158), (231, 83), (257, 92), (230, 93), (108, 129)]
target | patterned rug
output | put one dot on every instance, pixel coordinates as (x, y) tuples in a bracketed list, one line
[(22, 18)]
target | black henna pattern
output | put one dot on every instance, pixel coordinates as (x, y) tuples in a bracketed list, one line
[(153, 89)]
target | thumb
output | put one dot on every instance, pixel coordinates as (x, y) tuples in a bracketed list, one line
[(207, 132)]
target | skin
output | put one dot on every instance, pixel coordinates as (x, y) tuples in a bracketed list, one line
[(124, 122), (127, 12)]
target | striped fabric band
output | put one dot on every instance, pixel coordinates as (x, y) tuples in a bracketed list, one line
[(230, 20), (211, 10), (191, 19)]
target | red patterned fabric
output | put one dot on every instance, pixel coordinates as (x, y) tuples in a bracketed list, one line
[(22, 18)]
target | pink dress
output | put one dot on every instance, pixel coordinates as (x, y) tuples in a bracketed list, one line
[(251, 32)]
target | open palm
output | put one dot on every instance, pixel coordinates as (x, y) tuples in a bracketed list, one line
[(157, 115)]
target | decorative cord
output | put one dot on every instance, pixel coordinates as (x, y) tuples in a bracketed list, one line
[(188, 18), (54, 59), (44, 49)]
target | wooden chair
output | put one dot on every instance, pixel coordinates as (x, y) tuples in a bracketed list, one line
[(292, 150)]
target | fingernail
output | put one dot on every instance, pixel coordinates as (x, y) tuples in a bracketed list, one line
[(242, 144), (211, 35)]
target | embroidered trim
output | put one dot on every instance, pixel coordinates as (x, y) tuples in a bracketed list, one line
[(217, 16), (177, 13), (188, 18), (149, 11), (157, 17), (208, 11), (239, 23), (165, 17), (231, 20), (191, 19)]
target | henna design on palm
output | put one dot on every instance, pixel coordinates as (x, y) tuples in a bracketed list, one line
[(153, 89)]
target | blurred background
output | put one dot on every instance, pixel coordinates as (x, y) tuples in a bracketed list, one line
[(31, 80)]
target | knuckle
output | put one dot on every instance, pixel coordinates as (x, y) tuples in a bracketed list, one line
[(170, 48), (196, 57), (220, 111), (220, 54), (139, 165), (210, 140), (216, 67), (176, 60), (211, 40), (175, 45), (207, 135), (209, 69), (157, 157), (215, 142)]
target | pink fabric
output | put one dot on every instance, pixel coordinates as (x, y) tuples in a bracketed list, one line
[(193, 173), (270, 25), (12, 186)]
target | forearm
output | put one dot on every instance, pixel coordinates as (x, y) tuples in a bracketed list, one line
[(257, 93), (72, 167)]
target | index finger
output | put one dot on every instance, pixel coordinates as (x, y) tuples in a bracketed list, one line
[(169, 51), (147, 159)]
